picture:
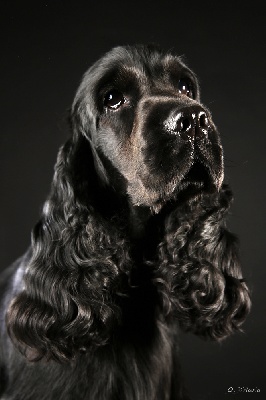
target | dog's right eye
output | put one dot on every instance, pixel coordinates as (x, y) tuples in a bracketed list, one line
[(185, 87), (114, 99)]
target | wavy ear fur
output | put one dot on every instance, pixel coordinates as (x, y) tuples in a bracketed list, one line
[(198, 272), (75, 270), (80, 265)]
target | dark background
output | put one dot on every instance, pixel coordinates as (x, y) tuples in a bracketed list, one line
[(45, 48)]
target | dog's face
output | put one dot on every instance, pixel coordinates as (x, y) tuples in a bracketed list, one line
[(141, 112)]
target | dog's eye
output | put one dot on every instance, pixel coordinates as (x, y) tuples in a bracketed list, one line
[(185, 87), (114, 99)]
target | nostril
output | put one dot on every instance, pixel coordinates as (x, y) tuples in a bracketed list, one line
[(203, 120), (184, 124)]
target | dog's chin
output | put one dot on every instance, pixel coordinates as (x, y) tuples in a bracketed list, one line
[(197, 181)]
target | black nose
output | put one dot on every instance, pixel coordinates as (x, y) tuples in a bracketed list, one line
[(189, 122)]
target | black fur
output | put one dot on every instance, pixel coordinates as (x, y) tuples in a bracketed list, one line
[(131, 244)]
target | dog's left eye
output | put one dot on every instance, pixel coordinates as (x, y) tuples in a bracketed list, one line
[(114, 99), (185, 87)]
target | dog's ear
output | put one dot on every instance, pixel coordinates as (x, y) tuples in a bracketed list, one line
[(199, 274), (68, 299)]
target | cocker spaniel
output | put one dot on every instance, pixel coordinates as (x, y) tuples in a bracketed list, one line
[(131, 245)]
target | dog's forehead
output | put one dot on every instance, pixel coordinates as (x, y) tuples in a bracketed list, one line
[(142, 57), (141, 61)]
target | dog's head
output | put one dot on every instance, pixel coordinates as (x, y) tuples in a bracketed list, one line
[(140, 110)]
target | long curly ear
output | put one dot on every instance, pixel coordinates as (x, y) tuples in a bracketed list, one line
[(199, 274), (68, 301)]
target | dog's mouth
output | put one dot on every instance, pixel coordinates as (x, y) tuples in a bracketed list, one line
[(198, 176), (197, 173)]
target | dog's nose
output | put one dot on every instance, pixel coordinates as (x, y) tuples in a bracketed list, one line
[(189, 122)]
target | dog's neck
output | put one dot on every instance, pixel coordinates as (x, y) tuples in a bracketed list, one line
[(138, 221)]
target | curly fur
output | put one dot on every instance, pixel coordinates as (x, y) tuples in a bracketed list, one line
[(131, 244)]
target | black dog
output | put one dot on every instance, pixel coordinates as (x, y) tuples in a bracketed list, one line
[(131, 244)]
